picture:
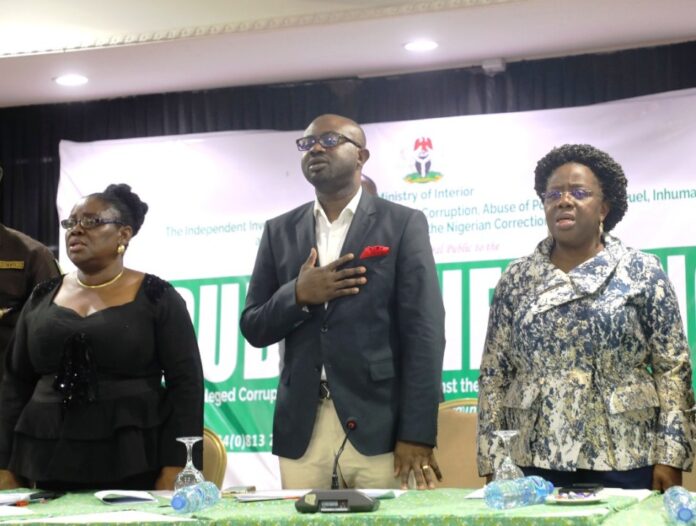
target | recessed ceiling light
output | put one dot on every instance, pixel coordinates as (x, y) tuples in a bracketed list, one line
[(420, 45), (71, 79)]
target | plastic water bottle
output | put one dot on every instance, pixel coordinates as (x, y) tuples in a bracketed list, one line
[(680, 506), (505, 494), (196, 497)]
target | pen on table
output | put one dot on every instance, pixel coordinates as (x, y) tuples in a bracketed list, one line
[(26, 502), (41, 497)]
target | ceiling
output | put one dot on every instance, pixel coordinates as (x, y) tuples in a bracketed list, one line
[(132, 47)]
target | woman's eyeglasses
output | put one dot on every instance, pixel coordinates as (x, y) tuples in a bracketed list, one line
[(552, 196), (327, 140), (87, 222)]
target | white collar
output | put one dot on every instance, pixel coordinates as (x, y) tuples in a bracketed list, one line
[(351, 207)]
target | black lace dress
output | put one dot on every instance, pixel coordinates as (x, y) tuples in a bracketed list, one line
[(83, 399)]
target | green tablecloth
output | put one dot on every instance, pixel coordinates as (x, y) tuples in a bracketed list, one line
[(649, 512), (439, 507)]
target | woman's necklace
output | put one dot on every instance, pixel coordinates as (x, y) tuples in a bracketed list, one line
[(105, 284)]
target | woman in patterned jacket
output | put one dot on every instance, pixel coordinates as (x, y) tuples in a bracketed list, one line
[(585, 353)]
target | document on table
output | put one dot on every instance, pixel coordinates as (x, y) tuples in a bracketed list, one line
[(574, 512), (640, 494), (11, 498), (295, 494), (476, 494), (292, 494), (383, 493), (112, 496), (114, 517), (13, 511)]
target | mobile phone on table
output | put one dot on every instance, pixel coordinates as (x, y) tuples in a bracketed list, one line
[(581, 489), (124, 499), (237, 490), (45, 495)]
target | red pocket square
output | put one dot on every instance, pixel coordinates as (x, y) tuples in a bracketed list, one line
[(374, 251)]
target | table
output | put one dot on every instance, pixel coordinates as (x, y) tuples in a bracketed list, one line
[(646, 513), (442, 507)]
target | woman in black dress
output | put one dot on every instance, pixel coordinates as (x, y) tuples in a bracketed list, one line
[(103, 372)]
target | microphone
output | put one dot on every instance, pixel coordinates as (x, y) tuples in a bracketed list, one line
[(337, 500), (351, 424)]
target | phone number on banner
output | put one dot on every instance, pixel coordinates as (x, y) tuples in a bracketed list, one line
[(247, 442)]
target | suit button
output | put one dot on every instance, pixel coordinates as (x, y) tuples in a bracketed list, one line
[(324, 328)]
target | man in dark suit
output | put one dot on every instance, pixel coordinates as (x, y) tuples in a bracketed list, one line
[(349, 283)]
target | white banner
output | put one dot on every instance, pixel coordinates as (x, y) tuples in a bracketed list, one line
[(210, 194)]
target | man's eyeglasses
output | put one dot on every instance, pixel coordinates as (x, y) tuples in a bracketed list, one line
[(327, 140), (87, 222), (552, 196)]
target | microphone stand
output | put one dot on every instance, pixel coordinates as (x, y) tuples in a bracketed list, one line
[(335, 499), (334, 473)]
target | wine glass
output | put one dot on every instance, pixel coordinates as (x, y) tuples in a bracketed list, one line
[(189, 475), (507, 470)]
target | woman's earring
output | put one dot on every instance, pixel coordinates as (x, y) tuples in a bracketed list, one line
[(601, 228), (121, 249)]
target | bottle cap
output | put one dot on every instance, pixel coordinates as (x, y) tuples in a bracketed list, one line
[(178, 502), (685, 514)]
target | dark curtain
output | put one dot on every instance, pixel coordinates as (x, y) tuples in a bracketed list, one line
[(29, 136)]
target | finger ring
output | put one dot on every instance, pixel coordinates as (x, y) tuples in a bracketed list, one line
[(426, 467)]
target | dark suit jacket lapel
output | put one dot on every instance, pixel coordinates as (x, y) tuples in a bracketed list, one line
[(363, 221), (306, 235)]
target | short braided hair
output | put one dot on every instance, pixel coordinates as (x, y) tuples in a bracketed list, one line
[(608, 172)]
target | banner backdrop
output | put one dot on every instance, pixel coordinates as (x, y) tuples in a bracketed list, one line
[(209, 196)]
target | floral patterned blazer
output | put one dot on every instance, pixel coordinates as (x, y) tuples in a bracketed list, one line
[(591, 366)]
